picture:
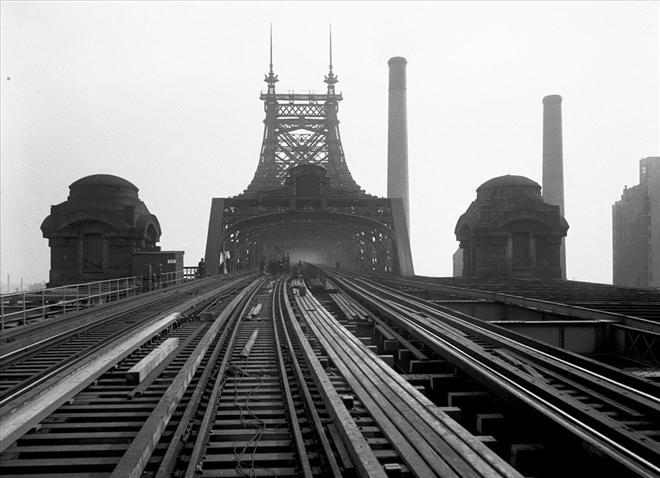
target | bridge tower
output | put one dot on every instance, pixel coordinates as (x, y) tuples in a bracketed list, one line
[(302, 203)]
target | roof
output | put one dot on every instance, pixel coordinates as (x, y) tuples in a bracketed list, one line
[(508, 181), (104, 180)]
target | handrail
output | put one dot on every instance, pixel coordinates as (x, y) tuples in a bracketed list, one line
[(17, 308), (65, 286)]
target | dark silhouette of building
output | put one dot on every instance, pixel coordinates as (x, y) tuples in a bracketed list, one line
[(636, 230), (509, 231), (95, 232)]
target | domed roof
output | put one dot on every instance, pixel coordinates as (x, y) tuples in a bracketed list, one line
[(104, 180), (509, 180)]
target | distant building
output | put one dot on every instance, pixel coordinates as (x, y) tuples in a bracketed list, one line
[(509, 231), (95, 232), (636, 230)]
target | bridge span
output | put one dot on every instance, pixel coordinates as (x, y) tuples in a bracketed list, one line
[(322, 373), (309, 348)]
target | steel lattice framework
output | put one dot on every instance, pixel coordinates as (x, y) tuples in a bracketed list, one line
[(301, 129), (303, 204)]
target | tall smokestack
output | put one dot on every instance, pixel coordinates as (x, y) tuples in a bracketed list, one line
[(553, 161), (397, 135)]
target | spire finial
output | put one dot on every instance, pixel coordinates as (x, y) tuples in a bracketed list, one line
[(330, 78), (271, 48), (330, 31), (271, 77)]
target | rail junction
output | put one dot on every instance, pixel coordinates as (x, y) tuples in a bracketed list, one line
[(315, 374), (311, 349)]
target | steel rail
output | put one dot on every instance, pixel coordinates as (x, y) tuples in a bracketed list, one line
[(74, 314), (195, 457), (48, 397), (293, 418), (176, 443), (281, 318), (126, 306), (363, 457), (104, 417), (539, 304), (81, 328), (629, 458), (136, 457), (493, 334), (445, 448), (632, 383), (40, 378), (35, 381), (282, 349)]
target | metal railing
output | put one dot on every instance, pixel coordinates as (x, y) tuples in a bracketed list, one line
[(19, 308), (161, 280), (190, 272)]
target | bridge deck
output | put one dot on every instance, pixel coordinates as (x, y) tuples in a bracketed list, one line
[(270, 377)]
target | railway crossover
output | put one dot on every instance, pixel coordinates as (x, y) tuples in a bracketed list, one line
[(537, 402), (267, 376)]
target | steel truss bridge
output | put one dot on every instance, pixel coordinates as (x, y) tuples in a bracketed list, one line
[(303, 203), (321, 373), (352, 367)]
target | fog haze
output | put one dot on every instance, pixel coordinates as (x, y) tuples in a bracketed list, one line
[(166, 95)]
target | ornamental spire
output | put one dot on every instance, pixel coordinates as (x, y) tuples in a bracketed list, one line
[(330, 79), (330, 44), (271, 77)]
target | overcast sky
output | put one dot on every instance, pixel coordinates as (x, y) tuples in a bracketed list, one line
[(166, 95)]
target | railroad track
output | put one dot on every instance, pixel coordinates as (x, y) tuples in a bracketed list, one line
[(275, 381), (537, 402), (39, 402), (21, 339), (268, 383), (625, 333), (406, 432), (256, 423), (25, 367), (641, 303), (468, 323)]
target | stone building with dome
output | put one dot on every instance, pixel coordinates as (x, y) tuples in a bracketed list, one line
[(94, 234), (509, 231)]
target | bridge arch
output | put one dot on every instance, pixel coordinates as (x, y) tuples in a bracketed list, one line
[(333, 239)]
